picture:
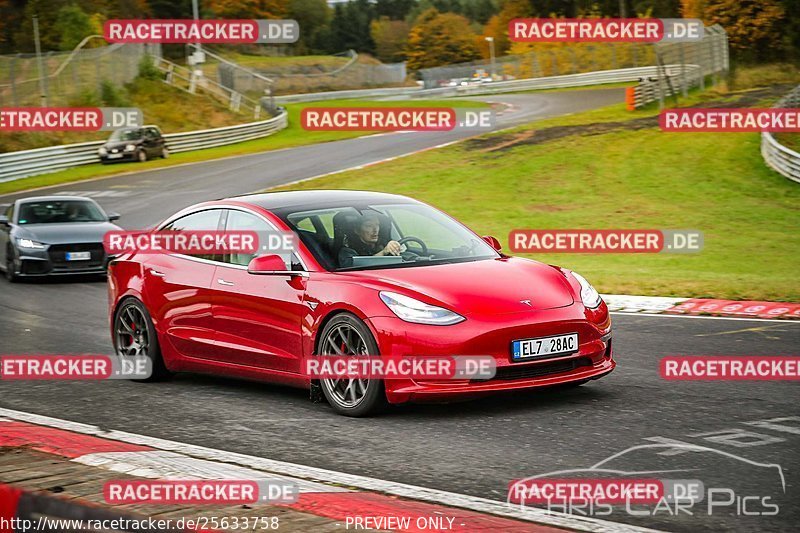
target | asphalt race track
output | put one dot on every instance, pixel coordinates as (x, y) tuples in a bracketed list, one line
[(473, 448)]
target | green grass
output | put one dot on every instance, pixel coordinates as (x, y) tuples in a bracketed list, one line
[(290, 137), (716, 183)]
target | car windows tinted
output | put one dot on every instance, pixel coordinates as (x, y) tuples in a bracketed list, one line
[(60, 211), (126, 135)]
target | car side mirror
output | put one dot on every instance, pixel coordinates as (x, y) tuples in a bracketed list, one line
[(113, 216), (493, 242), (4, 221), (267, 265)]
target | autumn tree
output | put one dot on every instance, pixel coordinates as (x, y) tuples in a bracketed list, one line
[(497, 27), (753, 26), (73, 24), (440, 39), (391, 38), (247, 9), (312, 16)]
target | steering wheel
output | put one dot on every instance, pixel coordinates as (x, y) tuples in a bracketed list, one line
[(423, 246)]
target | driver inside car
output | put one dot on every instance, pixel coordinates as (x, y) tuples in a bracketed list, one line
[(363, 240)]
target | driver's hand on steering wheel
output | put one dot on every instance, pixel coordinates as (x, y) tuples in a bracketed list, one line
[(391, 248)]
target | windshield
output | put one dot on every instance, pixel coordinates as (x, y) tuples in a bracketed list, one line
[(358, 237), (126, 135), (61, 211)]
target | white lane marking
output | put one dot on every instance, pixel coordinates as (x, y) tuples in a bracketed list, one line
[(634, 304), (661, 315), (94, 194), (366, 165), (473, 503), (170, 465)]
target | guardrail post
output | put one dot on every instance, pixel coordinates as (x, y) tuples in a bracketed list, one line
[(11, 74), (684, 81)]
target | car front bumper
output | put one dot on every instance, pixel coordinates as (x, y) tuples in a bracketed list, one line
[(493, 335), (126, 156), (52, 261)]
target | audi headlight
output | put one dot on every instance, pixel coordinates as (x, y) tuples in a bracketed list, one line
[(130, 147), (102, 150), (412, 310), (31, 245), (589, 295)]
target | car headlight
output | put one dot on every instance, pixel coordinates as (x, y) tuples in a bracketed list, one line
[(130, 147), (412, 310), (32, 245), (589, 295), (102, 150)]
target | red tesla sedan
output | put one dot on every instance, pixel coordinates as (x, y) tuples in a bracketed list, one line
[(371, 274)]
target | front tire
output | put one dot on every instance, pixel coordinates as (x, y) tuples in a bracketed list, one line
[(11, 275), (345, 334), (135, 334), (141, 156)]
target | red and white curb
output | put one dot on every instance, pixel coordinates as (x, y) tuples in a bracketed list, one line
[(321, 491), (624, 303)]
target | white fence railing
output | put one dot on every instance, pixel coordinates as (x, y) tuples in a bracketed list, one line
[(16, 165), (777, 156)]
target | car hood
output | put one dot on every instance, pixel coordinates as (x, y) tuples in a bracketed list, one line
[(487, 286), (67, 233), (121, 144)]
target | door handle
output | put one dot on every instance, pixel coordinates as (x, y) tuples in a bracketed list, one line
[(226, 283), (156, 273)]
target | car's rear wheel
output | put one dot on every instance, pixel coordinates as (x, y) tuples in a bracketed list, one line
[(164, 153), (11, 274), (135, 335), (346, 335), (141, 155)]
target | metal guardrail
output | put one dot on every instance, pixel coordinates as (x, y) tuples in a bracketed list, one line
[(16, 165), (778, 157), (583, 79)]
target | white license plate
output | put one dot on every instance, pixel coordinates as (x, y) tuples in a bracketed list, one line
[(79, 256), (114, 156), (541, 346)]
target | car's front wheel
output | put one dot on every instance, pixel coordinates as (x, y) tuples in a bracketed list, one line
[(141, 155), (11, 274), (346, 335), (135, 335)]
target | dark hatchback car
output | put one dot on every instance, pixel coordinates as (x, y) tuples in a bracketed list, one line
[(54, 235), (134, 144)]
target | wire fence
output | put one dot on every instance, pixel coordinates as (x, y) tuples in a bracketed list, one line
[(547, 60), (695, 60), (277, 76), (684, 66), (69, 77)]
